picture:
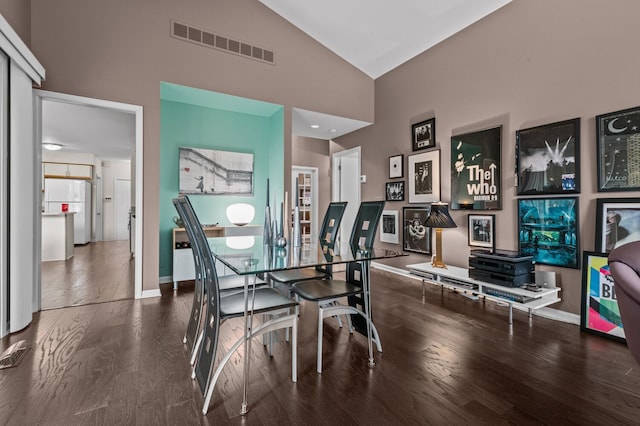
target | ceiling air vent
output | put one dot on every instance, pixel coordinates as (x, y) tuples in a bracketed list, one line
[(221, 42)]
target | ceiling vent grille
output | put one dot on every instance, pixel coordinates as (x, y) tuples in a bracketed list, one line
[(212, 40)]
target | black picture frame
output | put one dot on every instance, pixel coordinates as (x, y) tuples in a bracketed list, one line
[(548, 230), (482, 230), (548, 158), (617, 146), (476, 170), (394, 191), (599, 311), (416, 237), (396, 166), (423, 135), (617, 222)]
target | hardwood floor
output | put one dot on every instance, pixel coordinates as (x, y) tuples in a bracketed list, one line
[(101, 271), (448, 361)]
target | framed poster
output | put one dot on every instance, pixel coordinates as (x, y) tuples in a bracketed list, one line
[(617, 222), (423, 134), (424, 177), (548, 158), (394, 191), (548, 230), (395, 166), (482, 230), (212, 172), (475, 170), (599, 312), (618, 136), (389, 227), (415, 236)]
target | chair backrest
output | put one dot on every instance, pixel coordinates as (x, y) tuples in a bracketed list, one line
[(624, 263), (366, 224), (331, 223), (209, 344)]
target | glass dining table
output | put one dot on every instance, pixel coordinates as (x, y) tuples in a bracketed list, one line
[(250, 256)]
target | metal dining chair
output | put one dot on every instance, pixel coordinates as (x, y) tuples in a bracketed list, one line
[(221, 307), (326, 293)]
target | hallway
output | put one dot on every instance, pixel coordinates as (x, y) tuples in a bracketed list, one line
[(98, 272)]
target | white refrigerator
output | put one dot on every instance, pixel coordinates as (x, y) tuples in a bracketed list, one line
[(75, 193)]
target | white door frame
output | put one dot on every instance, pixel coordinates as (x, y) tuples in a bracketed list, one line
[(41, 95), (336, 180)]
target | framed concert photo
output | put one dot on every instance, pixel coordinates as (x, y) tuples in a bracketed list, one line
[(424, 177), (617, 222), (423, 135), (482, 230), (416, 237), (394, 191)]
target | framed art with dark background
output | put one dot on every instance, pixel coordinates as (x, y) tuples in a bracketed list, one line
[(423, 135)]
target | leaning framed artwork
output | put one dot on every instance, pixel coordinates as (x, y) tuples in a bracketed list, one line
[(213, 172), (394, 191), (548, 158), (395, 166), (482, 230), (618, 136), (415, 236), (475, 170), (548, 230), (389, 227), (424, 177), (599, 311), (423, 134), (617, 222)]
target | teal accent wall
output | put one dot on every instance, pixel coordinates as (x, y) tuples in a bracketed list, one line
[(195, 125)]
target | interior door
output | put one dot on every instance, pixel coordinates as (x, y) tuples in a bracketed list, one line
[(122, 195), (346, 187)]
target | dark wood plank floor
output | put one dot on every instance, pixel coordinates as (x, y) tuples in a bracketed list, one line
[(448, 361), (101, 271)]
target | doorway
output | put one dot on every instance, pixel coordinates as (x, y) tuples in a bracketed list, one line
[(136, 113), (345, 166)]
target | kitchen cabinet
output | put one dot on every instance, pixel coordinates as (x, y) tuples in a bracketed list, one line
[(67, 170)]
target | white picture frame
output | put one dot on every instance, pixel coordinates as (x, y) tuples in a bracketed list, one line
[(389, 227), (423, 175)]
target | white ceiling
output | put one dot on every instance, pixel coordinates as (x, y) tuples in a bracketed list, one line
[(378, 35), (375, 36)]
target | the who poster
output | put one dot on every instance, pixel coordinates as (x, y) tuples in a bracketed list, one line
[(475, 170), (600, 313)]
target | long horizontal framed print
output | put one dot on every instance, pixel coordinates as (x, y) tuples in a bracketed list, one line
[(599, 312), (394, 191), (548, 158), (213, 172), (618, 161), (423, 134), (424, 177), (395, 166), (482, 230), (617, 222), (389, 227), (416, 237), (475, 170), (548, 230)]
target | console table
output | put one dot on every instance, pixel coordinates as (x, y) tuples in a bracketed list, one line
[(458, 279)]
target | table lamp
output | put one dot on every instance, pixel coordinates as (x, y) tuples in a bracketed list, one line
[(240, 214), (439, 218)]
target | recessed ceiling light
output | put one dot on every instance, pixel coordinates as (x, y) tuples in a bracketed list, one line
[(52, 146), (315, 126), (333, 131)]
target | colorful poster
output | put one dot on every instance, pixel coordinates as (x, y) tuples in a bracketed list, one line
[(600, 313), (475, 171)]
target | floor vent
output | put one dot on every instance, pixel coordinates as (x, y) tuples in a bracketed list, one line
[(221, 42), (13, 355)]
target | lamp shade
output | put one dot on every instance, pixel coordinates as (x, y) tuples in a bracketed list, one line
[(439, 217), (240, 214)]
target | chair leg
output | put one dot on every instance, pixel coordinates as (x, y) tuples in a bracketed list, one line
[(319, 355), (294, 349)]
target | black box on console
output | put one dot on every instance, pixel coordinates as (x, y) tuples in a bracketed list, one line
[(502, 267)]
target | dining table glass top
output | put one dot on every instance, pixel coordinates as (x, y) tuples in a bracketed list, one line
[(247, 255)]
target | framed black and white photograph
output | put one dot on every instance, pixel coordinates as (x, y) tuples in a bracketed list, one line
[(548, 158), (482, 230), (396, 166), (424, 177), (423, 134), (548, 230), (416, 237), (618, 162), (213, 172), (475, 170), (394, 191), (389, 227), (617, 222)]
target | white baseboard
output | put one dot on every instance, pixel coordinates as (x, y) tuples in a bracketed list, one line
[(150, 293), (550, 313)]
